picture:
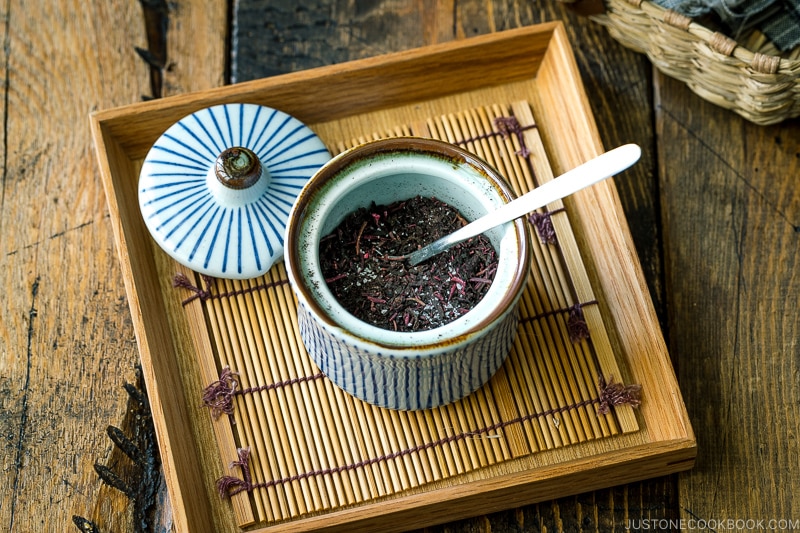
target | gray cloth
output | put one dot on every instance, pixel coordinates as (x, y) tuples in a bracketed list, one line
[(779, 20)]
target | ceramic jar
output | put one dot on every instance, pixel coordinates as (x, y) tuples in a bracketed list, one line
[(404, 370)]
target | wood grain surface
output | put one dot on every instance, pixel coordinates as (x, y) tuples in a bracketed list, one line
[(67, 347), (713, 208)]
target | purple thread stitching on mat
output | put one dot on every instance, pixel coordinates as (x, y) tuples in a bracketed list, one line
[(576, 325), (544, 225), (505, 126), (180, 280), (510, 125), (611, 394), (229, 485), (219, 395)]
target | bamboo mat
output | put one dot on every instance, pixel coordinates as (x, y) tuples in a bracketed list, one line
[(297, 445)]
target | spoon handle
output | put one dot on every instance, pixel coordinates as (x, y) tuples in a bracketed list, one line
[(580, 177)]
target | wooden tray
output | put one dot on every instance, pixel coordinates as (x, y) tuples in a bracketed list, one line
[(530, 70)]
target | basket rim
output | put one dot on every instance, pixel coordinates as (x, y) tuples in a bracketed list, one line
[(715, 40)]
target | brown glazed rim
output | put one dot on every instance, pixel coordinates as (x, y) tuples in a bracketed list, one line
[(418, 145)]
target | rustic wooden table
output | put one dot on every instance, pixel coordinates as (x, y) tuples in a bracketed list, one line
[(713, 207)]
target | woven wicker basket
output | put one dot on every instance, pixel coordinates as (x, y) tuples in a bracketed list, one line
[(750, 78)]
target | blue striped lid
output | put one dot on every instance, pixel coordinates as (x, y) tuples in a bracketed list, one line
[(216, 189)]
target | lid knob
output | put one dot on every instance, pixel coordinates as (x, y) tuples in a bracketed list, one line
[(238, 168)]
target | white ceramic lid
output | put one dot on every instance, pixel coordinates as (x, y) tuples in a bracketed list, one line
[(217, 187)]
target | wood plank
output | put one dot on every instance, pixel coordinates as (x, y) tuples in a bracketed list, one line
[(67, 339), (731, 219), (67, 346)]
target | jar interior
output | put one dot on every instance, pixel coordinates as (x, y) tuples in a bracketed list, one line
[(394, 177)]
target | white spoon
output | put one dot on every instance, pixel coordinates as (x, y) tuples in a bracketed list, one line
[(593, 171)]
